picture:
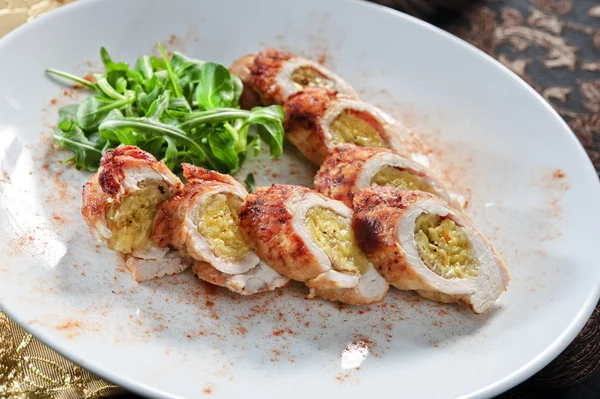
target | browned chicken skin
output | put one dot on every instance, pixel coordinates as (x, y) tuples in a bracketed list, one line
[(119, 203), (393, 227), (349, 169), (271, 76), (199, 222), (318, 120), (274, 220)]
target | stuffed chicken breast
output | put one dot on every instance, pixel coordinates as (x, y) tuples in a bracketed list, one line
[(349, 169), (317, 121), (271, 76), (419, 242), (119, 205), (307, 237), (202, 223)]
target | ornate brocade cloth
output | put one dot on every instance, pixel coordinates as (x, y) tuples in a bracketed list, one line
[(554, 45)]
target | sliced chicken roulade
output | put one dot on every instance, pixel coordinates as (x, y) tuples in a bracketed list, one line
[(119, 204), (271, 76), (202, 223), (419, 242), (309, 238), (349, 169), (317, 121)]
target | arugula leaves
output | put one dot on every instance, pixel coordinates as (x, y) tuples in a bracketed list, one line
[(178, 109)]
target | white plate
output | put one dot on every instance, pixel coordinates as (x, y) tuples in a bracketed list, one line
[(530, 187)]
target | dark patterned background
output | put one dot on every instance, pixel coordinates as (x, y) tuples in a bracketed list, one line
[(554, 45)]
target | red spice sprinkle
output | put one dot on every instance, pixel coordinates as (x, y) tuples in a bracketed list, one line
[(54, 101), (210, 304), (278, 332), (207, 390), (69, 324), (558, 174)]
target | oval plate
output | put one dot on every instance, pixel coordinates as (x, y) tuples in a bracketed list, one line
[(529, 184)]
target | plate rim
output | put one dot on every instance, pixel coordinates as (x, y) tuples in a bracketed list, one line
[(501, 385)]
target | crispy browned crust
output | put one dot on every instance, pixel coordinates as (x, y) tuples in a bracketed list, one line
[(204, 271), (347, 296), (339, 172), (241, 68), (267, 65), (171, 214), (104, 187), (303, 113), (376, 214), (267, 224)]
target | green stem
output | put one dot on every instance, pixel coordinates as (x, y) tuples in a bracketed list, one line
[(69, 76), (76, 143), (215, 115), (169, 68), (108, 89), (147, 67)]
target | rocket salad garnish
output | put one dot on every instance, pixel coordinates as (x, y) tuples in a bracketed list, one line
[(179, 109)]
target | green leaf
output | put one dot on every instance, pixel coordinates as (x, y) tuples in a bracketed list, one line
[(222, 145), (250, 183), (145, 100), (269, 122), (143, 65), (150, 128), (217, 88), (86, 152), (121, 85), (93, 110), (253, 147), (159, 106), (68, 112), (171, 157)]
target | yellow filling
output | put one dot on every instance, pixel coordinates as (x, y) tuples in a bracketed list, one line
[(334, 235), (307, 76), (389, 175), (131, 220), (350, 128), (445, 248), (218, 223)]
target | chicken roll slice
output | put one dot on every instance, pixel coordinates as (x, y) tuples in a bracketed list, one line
[(272, 76), (202, 223), (419, 242), (119, 205), (309, 238), (317, 121), (349, 169)]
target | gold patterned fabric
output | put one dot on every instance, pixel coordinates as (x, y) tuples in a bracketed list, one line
[(31, 370)]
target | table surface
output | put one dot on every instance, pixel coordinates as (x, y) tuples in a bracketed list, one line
[(554, 45)]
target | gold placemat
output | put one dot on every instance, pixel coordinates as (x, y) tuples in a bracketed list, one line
[(31, 370)]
